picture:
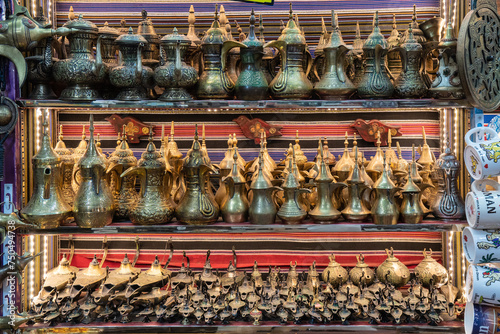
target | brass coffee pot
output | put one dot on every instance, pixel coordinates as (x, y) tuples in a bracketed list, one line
[(393, 271), (375, 82), (46, 207), (67, 165), (325, 211), (355, 209), (291, 82), (262, 210), (81, 71), (214, 82), (410, 83), (393, 56), (334, 83), (411, 211), (345, 165), (108, 36), (152, 207), (376, 165), (175, 160), (430, 272), (252, 83), (123, 189), (225, 167), (94, 203), (384, 209), (78, 153), (292, 210), (130, 76), (269, 59), (173, 73), (361, 274), (196, 206), (334, 273), (234, 207), (357, 62)]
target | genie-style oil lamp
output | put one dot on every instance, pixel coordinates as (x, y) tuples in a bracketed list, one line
[(384, 210), (88, 279), (393, 271), (57, 279), (361, 274), (155, 276), (429, 270), (345, 165), (355, 209), (68, 162)]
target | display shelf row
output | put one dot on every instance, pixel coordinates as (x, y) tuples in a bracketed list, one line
[(127, 228), (263, 106)]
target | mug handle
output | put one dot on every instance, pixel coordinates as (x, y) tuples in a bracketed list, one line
[(480, 185), (480, 132)]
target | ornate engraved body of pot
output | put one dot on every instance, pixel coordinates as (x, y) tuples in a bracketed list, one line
[(375, 82), (130, 76), (252, 83), (393, 271), (173, 73), (214, 82), (196, 206), (291, 82), (355, 209), (234, 207), (334, 83), (152, 207), (430, 271), (448, 203), (409, 83), (269, 59), (94, 203), (123, 189), (361, 273), (68, 163), (46, 207), (81, 71), (384, 209), (334, 273), (108, 36), (411, 211)]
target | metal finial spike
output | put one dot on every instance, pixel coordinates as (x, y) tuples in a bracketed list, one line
[(413, 152), (191, 17), (252, 17), (394, 25), (414, 19), (196, 132), (216, 14), (423, 134), (358, 31), (323, 26), (290, 17), (150, 134), (130, 31), (320, 150), (60, 132), (334, 23), (91, 121), (261, 27), (162, 133), (375, 19)]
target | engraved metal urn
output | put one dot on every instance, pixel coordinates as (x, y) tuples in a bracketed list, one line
[(130, 76), (334, 273), (430, 272), (173, 73), (361, 274), (81, 71), (393, 271), (375, 82), (108, 36)]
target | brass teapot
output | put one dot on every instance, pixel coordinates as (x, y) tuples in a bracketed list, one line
[(355, 209), (334, 83), (430, 272), (130, 76), (46, 207), (345, 165), (291, 82), (152, 207), (411, 211), (81, 71), (173, 73), (234, 207), (334, 273), (67, 165), (393, 271), (361, 274), (225, 167), (151, 50), (196, 206), (384, 209), (214, 82), (251, 83), (94, 203), (375, 82)]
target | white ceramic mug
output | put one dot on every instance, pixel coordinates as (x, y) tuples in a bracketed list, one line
[(481, 246), (482, 285), (482, 207), (482, 157), (481, 319)]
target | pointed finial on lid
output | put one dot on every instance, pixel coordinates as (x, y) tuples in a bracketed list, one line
[(162, 133), (216, 14), (191, 17), (123, 23), (414, 18), (378, 139), (413, 152), (358, 31), (346, 142), (334, 22), (394, 25), (60, 132), (290, 16), (375, 19), (196, 132), (172, 131), (423, 134), (71, 13), (130, 31), (261, 28)]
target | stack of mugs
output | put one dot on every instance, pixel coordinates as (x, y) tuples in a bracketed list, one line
[(481, 240)]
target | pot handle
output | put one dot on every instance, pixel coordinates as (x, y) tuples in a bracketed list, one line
[(47, 176), (480, 185), (74, 176), (480, 132), (139, 171)]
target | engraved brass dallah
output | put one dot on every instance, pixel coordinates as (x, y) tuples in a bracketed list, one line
[(345, 165), (291, 82), (393, 271), (68, 162), (361, 273), (225, 167), (196, 207), (234, 207), (152, 208), (81, 71), (151, 50), (411, 211), (47, 207), (94, 203), (78, 153), (334, 83), (108, 36), (355, 209), (384, 209), (429, 270), (375, 82)]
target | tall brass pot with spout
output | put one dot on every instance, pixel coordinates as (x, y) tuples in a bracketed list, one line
[(46, 208), (94, 203)]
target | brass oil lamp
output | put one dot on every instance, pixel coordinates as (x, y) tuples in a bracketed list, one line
[(411, 211), (361, 274), (334, 273), (46, 207), (152, 207), (355, 209), (88, 279), (393, 271), (334, 83), (384, 209), (94, 203), (124, 193), (155, 276), (234, 208), (291, 81), (345, 165), (56, 280), (430, 271), (196, 207), (375, 82), (81, 71), (67, 165), (251, 83), (393, 56)]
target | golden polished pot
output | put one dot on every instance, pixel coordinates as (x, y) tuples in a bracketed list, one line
[(384, 209), (108, 36), (78, 153), (46, 207), (334, 273), (430, 272), (411, 211), (234, 208), (291, 82), (393, 271), (68, 163), (355, 209), (152, 207), (94, 203), (361, 274)]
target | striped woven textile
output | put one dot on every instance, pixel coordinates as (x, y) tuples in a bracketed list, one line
[(269, 249)]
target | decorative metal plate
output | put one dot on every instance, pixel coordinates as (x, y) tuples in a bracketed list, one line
[(478, 56)]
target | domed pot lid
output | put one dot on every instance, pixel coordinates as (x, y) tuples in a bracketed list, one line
[(130, 39)]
